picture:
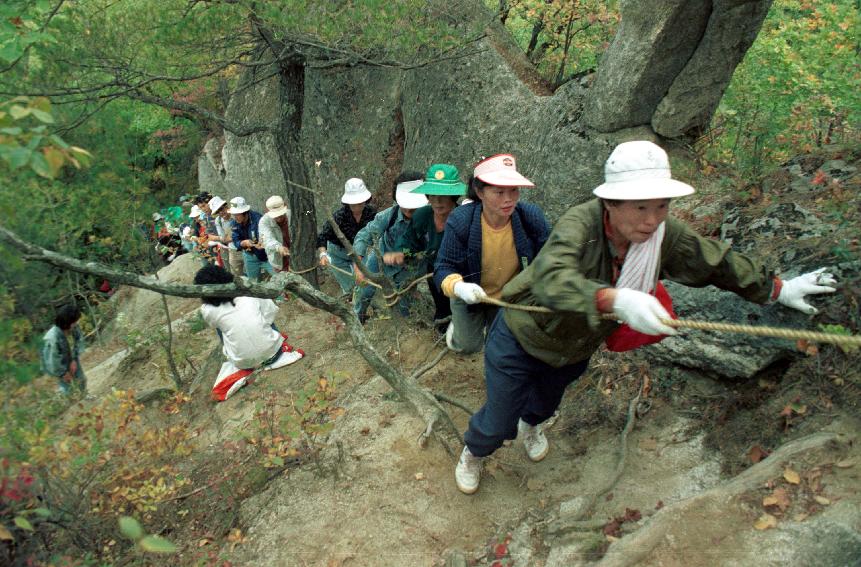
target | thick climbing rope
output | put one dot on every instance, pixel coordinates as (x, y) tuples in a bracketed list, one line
[(777, 332)]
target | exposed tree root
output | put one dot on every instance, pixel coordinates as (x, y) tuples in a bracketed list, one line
[(632, 549)]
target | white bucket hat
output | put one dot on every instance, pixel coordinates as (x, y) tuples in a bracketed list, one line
[(238, 205), (637, 171), (157, 217), (500, 170), (355, 192), (216, 203), (408, 200), (195, 212), (275, 206)]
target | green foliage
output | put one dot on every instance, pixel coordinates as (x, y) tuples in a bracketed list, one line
[(293, 429), (798, 88), (560, 38), (132, 529)]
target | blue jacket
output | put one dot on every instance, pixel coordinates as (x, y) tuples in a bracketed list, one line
[(460, 250), (249, 231), (384, 229)]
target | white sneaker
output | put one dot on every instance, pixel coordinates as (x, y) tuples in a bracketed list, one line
[(534, 440), (467, 474), (285, 359), (449, 333)]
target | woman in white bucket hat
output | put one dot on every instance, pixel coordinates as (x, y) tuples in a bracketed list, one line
[(604, 256), (352, 217)]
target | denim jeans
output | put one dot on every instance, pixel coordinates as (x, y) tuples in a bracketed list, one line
[(253, 266), (519, 386), (78, 383), (340, 259), (400, 275)]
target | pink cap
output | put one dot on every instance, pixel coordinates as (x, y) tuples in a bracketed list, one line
[(500, 170)]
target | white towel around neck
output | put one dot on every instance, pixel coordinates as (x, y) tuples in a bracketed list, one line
[(640, 270)]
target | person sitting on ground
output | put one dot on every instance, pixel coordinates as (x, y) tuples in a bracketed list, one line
[(275, 233), (485, 244), (246, 237), (383, 232), (224, 228), (352, 217), (604, 256), (245, 325), (60, 357), (422, 238)]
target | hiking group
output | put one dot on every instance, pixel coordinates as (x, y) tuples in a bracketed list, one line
[(605, 256)]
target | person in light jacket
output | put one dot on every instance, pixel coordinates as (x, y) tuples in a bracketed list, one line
[(275, 233), (62, 346)]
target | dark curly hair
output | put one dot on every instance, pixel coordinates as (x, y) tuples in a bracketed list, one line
[(210, 275), (66, 316)]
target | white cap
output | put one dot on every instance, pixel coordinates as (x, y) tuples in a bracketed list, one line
[(355, 192), (275, 206), (637, 171), (408, 200), (195, 212), (238, 205), (500, 170), (216, 203)]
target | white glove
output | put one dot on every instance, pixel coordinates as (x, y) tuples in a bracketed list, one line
[(641, 311), (793, 291), (469, 292)]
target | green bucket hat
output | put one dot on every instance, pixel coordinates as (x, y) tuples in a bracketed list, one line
[(442, 179)]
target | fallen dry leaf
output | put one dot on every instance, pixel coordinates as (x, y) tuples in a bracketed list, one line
[(5, 534), (845, 463), (822, 500), (765, 522), (756, 454), (777, 498), (420, 476), (800, 517), (791, 476)]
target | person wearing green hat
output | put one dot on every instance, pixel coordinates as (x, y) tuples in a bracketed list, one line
[(420, 242), (485, 244)]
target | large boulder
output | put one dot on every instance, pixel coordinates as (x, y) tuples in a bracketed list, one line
[(696, 91), (654, 43)]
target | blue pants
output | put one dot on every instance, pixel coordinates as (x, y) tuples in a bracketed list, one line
[(519, 386), (254, 265), (400, 275), (78, 383), (340, 259)]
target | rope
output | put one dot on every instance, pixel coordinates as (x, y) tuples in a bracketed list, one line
[(780, 333)]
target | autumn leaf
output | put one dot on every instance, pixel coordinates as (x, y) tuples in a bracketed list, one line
[(757, 453), (791, 476), (765, 522), (777, 498), (820, 178), (822, 500), (5, 534), (500, 551)]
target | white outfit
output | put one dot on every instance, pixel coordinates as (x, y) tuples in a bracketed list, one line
[(245, 325), (272, 239)]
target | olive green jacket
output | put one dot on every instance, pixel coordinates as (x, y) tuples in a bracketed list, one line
[(577, 261)]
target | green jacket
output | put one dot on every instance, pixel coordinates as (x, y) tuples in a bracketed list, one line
[(421, 238), (576, 262)]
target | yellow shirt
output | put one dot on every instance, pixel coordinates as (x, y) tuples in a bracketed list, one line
[(498, 258)]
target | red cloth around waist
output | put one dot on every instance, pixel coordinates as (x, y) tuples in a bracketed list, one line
[(625, 338)]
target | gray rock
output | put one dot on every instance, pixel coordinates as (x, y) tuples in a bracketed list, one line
[(696, 91), (726, 354), (654, 42)]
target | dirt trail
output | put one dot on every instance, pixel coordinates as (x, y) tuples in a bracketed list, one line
[(374, 497)]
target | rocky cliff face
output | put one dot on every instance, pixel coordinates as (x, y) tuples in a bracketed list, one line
[(372, 123)]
